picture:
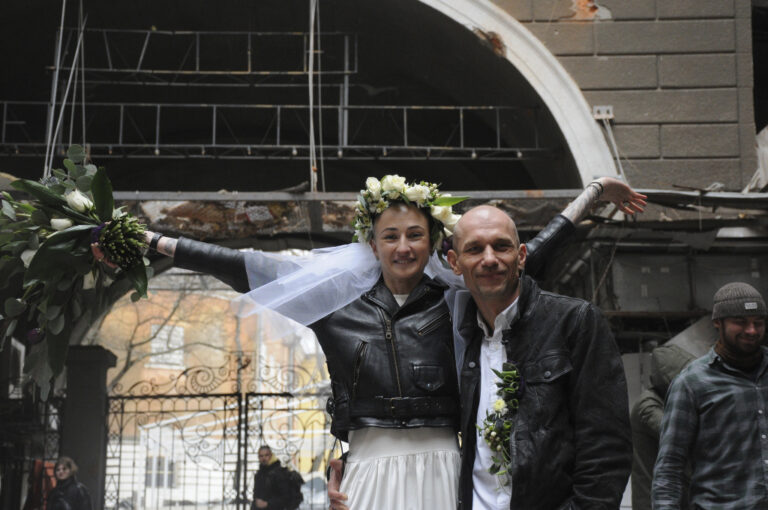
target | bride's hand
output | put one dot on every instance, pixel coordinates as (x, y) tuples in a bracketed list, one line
[(336, 497), (619, 193)]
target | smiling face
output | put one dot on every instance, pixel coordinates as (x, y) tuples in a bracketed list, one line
[(62, 472), (741, 335), (401, 243), (488, 253)]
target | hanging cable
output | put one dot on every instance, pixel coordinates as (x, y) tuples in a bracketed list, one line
[(72, 72), (54, 87), (312, 154), (320, 98), (609, 130), (82, 73)]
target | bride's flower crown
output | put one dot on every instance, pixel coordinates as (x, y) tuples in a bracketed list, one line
[(378, 195)]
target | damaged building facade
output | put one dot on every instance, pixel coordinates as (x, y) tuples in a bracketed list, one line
[(202, 117)]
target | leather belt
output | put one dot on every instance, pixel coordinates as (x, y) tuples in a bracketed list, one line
[(403, 407)]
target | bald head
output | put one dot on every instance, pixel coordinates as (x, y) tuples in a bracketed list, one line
[(488, 254), (480, 216)]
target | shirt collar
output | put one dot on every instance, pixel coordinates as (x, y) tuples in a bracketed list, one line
[(713, 358), (503, 321)]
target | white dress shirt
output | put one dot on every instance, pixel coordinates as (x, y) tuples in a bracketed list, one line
[(487, 491)]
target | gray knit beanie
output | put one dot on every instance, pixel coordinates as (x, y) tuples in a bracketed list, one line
[(737, 299)]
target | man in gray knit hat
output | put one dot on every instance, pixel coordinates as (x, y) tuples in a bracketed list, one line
[(716, 415)]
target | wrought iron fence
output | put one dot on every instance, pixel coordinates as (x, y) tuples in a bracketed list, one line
[(187, 442)]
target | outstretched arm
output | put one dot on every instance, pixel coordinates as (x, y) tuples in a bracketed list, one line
[(225, 264), (549, 240), (605, 189)]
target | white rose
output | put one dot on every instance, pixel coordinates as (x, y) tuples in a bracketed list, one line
[(89, 281), (499, 405), (60, 223), (373, 185), (393, 183), (27, 256), (78, 201), (452, 221), (441, 213), (417, 193)]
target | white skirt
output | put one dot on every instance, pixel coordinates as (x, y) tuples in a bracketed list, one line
[(402, 469)]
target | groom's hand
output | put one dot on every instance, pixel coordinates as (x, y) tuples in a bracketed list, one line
[(336, 497)]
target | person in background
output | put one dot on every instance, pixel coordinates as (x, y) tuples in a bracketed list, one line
[(667, 361), (715, 416), (269, 483), (69, 494)]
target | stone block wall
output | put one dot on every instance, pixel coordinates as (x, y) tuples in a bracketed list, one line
[(678, 74)]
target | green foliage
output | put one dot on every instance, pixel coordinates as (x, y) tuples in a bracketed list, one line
[(51, 276)]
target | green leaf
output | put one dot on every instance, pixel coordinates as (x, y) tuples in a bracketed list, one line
[(90, 170), (448, 201), (78, 172), (11, 328), (61, 174), (70, 166), (55, 254), (102, 195), (57, 325), (76, 153), (40, 218), (8, 210), (57, 350), (14, 307), (40, 192), (84, 183), (76, 307), (52, 312), (138, 276)]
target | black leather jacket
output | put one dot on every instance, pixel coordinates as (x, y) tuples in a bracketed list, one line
[(69, 495), (571, 444), (391, 366)]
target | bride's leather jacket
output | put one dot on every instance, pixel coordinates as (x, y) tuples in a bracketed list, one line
[(390, 366)]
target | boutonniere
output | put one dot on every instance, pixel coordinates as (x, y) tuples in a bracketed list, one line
[(497, 425)]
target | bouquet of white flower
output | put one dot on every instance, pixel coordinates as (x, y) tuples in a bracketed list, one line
[(61, 250)]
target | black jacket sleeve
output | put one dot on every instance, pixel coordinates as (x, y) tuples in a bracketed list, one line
[(225, 264), (542, 247)]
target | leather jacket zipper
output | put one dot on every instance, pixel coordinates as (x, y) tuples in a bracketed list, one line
[(359, 357), (432, 325), (395, 359)]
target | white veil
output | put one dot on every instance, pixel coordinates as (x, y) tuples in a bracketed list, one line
[(303, 289)]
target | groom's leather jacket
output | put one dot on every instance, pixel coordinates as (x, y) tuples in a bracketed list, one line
[(391, 366), (571, 445)]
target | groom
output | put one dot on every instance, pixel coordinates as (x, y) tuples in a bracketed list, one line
[(570, 445)]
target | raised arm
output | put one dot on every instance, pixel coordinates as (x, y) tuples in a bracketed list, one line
[(560, 228), (225, 264)]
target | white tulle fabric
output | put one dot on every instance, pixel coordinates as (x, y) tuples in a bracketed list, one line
[(289, 290), (402, 469)]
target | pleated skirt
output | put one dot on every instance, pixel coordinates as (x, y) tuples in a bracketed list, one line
[(402, 469)]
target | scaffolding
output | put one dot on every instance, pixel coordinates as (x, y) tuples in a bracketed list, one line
[(165, 60)]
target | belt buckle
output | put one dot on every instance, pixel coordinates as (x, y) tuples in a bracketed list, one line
[(392, 401)]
